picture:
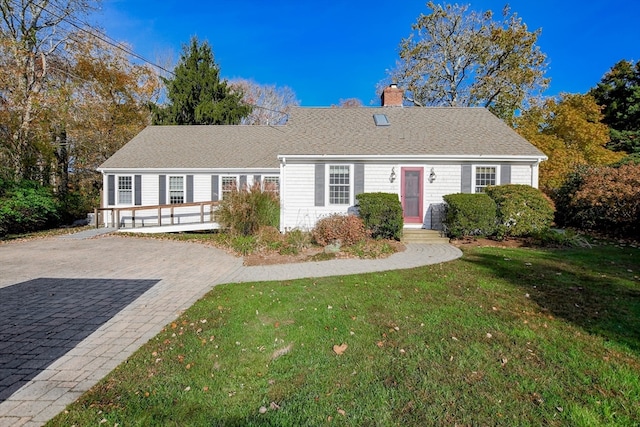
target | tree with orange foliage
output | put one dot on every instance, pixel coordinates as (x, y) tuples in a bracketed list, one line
[(570, 132)]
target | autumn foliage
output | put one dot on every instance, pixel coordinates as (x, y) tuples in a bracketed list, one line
[(347, 229), (570, 132), (247, 210), (605, 199)]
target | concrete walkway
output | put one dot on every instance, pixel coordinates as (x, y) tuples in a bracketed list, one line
[(178, 274)]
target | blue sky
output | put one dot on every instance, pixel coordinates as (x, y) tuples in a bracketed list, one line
[(333, 50)]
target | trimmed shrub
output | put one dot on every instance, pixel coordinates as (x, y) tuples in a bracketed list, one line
[(244, 211), (469, 215), (521, 210), (26, 207), (381, 214), (348, 229), (605, 199)]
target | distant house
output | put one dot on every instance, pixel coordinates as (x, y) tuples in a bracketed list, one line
[(323, 157)]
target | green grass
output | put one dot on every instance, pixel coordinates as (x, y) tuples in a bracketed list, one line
[(500, 337)]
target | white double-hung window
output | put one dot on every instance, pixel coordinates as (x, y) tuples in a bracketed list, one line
[(176, 189), (485, 176), (229, 184), (125, 190), (271, 184), (339, 184)]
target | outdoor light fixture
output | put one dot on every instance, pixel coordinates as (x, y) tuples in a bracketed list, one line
[(432, 175), (392, 177)]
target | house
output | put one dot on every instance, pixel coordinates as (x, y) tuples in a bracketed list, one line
[(323, 157)]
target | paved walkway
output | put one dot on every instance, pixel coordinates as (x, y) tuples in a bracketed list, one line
[(46, 279)]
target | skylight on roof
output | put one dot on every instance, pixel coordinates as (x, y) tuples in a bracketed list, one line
[(381, 120)]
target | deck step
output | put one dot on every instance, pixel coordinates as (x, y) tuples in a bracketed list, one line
[(421, 235)]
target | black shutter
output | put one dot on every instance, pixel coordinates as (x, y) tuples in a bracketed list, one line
[(162, 192), (214, 188), (137, 190), (505, 174), (243, 182), (189, 188), (111, 190), (358, 180), (465, 186), (319, 185), (257, 178)]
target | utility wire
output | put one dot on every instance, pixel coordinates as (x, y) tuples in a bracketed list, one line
[(108, 40), (98, 35)]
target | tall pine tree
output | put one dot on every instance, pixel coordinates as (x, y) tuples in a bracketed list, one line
[(619, 94), (196, 94)]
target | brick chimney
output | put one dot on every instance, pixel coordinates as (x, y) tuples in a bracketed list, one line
[(392, 96)]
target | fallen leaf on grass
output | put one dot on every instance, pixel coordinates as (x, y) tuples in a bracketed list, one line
[(340, 349), (342, 412)]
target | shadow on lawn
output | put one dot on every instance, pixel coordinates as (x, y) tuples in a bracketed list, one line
[(586, 292)]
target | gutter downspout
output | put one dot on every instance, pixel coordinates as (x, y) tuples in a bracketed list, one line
[(283, 163)]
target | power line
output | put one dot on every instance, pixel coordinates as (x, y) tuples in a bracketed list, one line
[(99, 35), (111, 42)]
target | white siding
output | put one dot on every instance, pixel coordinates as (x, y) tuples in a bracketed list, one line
[(521, 174), (150, 197), (150, 189), (298, 208), (447, 181), (201, 187), (377, 179), (297, 190)]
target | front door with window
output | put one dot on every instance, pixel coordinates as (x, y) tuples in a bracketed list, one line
[(412, 179)]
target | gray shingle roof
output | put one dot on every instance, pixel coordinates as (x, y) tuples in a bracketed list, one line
[(166, 147), (325, 131)]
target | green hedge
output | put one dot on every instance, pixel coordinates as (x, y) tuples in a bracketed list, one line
[(381, 214), (469, 215), (26, 206), (521, 210)]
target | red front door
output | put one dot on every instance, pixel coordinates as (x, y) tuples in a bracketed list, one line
[(412, 179)]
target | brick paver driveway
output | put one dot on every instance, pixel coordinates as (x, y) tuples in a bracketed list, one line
[(72, 310)]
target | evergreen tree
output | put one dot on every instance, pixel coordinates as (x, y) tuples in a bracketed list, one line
[(619, 94), (196, 94)]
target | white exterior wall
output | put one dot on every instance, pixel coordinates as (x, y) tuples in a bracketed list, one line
[(297, 198), (150, 189), (448, 181), (298, 208), (201, 187), (376, 179), (523, 174), (150, 186)]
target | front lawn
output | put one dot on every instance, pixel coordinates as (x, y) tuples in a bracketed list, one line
[(499, 337)]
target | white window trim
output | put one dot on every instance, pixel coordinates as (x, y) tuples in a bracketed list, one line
[(184, 188), (327, 184), (474, 174), (117, 189), (221, 183)]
